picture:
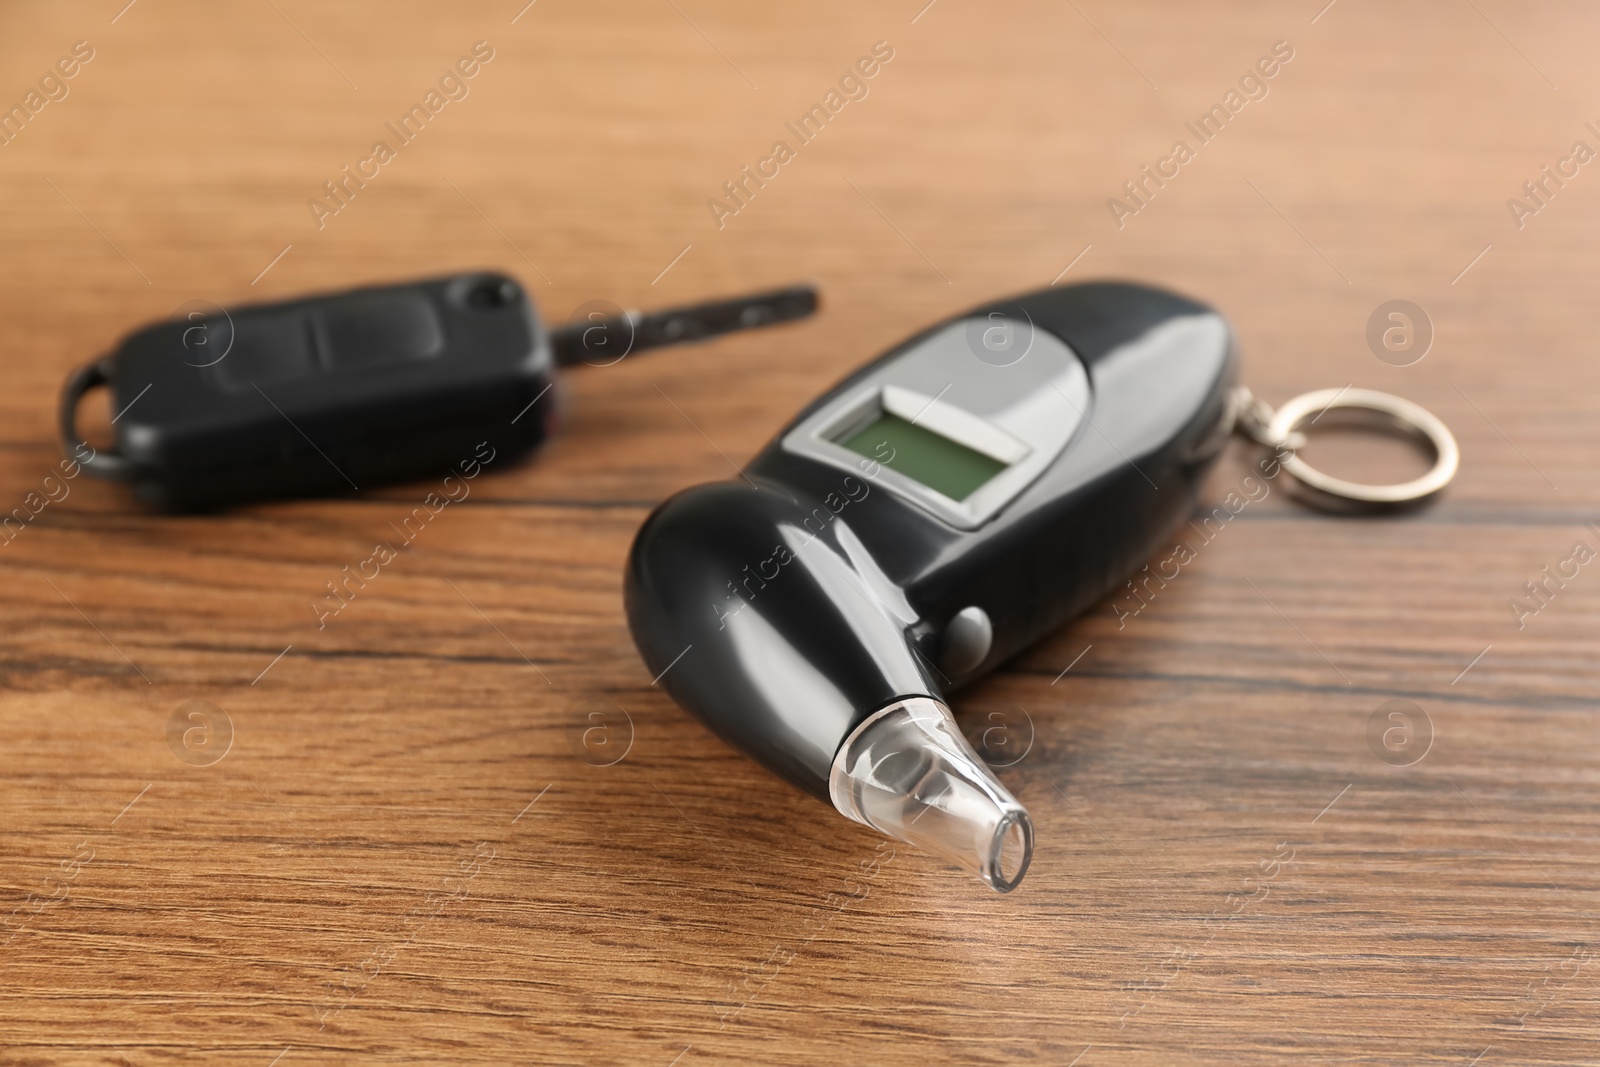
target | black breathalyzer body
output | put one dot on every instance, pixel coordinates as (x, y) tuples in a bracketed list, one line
[(938, 511)]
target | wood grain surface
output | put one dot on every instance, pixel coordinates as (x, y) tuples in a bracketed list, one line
[(457, 824)]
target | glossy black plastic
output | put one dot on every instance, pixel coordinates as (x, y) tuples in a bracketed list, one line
[(786, 608)]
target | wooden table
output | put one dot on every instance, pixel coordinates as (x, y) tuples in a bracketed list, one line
[(416, 848)]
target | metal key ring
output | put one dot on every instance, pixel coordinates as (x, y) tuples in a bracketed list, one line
[(1413, 419)]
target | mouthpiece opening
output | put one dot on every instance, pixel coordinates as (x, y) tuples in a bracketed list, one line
[(1013, 850), (909, 773)]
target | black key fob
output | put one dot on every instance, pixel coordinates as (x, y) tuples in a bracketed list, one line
[(322, 395)]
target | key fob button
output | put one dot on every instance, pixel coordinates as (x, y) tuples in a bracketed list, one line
[(268, 348), (373, 329)]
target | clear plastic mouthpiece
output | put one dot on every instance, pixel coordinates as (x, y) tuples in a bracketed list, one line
[(908, 772)]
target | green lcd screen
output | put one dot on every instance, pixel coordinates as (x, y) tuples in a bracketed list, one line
[(930, 458)]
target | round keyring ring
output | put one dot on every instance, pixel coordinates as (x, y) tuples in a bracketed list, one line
[(1415, 420)]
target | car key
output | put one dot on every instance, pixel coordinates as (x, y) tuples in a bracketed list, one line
[(334, 393)]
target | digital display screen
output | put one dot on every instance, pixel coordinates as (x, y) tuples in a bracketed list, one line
[(924, 456)]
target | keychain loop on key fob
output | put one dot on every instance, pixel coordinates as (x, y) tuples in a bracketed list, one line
[(1280, 429), (106, 463)]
